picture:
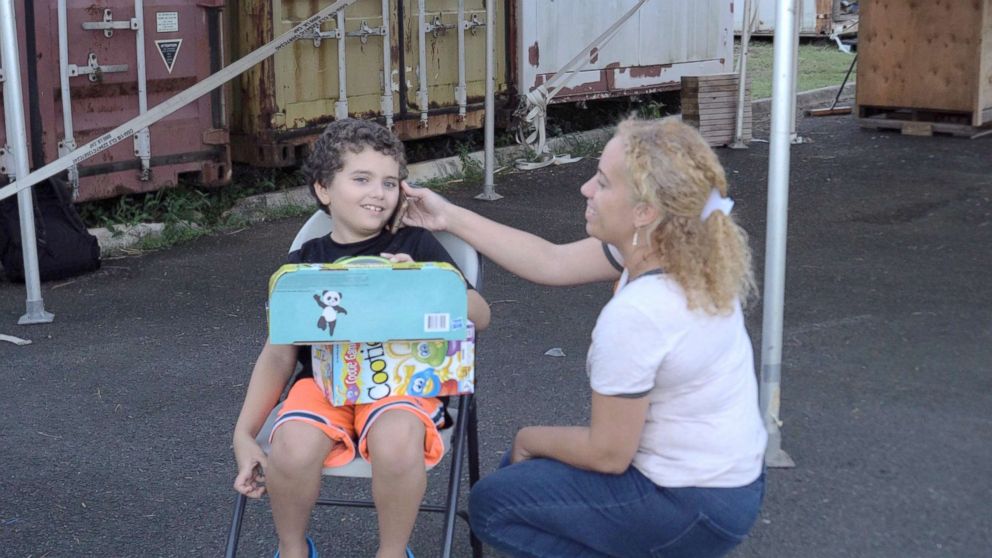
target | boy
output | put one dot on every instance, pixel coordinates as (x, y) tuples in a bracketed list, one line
[(354, 172)]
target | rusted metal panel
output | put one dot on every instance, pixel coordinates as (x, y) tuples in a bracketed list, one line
[(281, 105), (181, 42), (663, 41)]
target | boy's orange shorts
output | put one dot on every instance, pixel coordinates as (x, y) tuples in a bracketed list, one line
[(349, 424)]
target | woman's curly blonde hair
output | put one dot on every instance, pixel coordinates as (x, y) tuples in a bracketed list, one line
[(672, 168)]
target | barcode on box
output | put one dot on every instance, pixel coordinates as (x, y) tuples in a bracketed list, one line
[(437, 322)]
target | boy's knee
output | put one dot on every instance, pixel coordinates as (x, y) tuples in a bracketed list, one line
[(295, 450), (396, 442)]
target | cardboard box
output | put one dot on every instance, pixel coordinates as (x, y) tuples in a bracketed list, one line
[(358, 302), (350, 373)]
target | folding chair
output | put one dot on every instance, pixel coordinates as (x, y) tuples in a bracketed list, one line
[(464, 429)]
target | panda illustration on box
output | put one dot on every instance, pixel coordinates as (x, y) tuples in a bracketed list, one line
[(328, 302)]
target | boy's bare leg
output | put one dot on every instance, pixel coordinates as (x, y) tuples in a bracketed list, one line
[(293, 482), (399, 478)]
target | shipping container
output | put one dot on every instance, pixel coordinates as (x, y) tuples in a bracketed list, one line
[(817, 18), (281, 104), (100, 63), (415, 65), (663, 41), (926, 62)]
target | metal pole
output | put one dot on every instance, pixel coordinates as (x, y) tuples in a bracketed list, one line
[(68, 142), (13, 102), (794, 137), (422, 99), (738, 142), (489, 188), (460, 92), (341, 106), (387, 67), (783, 104), (142, 139)]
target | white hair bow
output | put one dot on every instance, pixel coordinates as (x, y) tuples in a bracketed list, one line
[(716, 202)]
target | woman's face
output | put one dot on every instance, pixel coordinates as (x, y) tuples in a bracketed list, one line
[(609, 200)]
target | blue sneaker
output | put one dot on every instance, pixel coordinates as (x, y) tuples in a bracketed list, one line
[(312, 550), (409, 553)]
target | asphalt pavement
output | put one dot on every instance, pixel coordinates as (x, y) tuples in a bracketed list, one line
[(117, 418)]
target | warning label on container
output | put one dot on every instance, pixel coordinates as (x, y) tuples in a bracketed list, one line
[(167, 22), (168, 49)]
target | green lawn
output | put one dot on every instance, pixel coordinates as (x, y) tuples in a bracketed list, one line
[(820, 64)]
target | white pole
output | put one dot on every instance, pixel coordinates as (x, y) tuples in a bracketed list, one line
[(460, 91), (68, 142), (422, 99), (387, 67), (794, 136), (341, 106), (738, 142), (489, 188), (783, 104), (142, 138), (13, 102)]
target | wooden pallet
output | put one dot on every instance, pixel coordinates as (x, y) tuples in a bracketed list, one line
[(709, 103), (918, 122)]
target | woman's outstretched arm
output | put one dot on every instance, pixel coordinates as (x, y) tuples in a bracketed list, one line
[(517, 251)]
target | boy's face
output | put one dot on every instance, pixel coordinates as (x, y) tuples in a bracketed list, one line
[(362, 196)]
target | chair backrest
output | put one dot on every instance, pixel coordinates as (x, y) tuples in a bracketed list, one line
[(467, 259)]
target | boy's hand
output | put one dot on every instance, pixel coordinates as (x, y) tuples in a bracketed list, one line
[(397, 258), (251, 462), (426, 208)]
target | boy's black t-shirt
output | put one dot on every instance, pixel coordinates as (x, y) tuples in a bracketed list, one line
[(419, 243)]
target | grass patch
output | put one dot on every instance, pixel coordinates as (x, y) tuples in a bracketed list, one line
[(821, 64), (189, 211)]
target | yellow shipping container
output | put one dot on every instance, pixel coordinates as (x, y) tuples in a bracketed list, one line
[(280, 105)]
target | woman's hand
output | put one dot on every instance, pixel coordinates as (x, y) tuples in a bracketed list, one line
[(251, 462), (426, 209), (520, 451)]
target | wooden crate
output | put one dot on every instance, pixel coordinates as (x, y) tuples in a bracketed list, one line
[(709, 103), (925, 61)]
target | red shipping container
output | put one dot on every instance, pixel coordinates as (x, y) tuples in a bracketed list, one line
[(182, 45)]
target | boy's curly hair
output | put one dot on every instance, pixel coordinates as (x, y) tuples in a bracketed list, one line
[(343, 136), (671, 167)]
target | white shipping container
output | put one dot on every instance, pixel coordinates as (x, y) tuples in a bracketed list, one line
[(765, 24), (663, 41)]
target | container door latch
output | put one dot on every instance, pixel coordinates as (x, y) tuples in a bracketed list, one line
[(94, 70), (6, 162), (108, 24)]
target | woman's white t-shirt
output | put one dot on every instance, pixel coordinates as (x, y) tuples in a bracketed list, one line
[(703, 426)]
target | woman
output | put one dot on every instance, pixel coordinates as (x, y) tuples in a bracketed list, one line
[(671, 462)]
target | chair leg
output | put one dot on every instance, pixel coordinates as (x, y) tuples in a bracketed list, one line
[(473, 467), (473, 445), (454, 480), (235, 533)]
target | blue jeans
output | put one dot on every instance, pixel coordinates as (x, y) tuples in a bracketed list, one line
[(544, 508)]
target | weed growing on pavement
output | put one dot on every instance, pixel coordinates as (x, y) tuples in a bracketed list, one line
[(473, 171), (189, 211)]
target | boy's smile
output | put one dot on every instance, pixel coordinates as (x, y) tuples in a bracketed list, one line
[(362, 196)]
